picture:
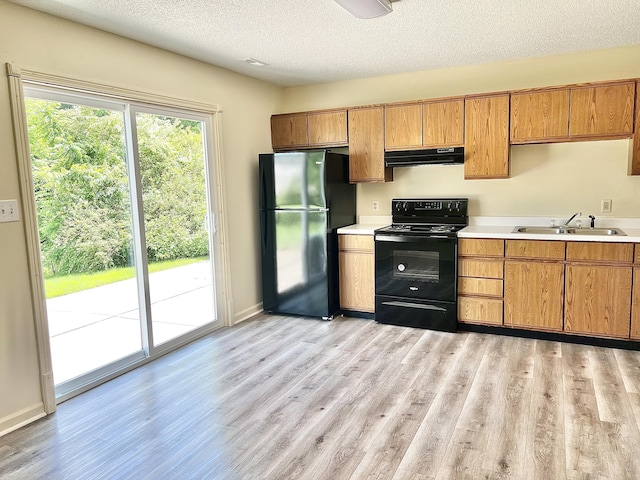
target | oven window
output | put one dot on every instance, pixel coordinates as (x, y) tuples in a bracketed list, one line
[(416, 265)]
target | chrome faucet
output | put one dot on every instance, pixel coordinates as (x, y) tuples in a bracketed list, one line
[(572, 217), (593, 222)]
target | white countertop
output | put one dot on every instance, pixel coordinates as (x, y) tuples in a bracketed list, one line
[(502, 227), (366, 225)]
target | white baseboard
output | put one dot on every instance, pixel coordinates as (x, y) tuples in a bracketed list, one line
[(247, 313), (21, 418)]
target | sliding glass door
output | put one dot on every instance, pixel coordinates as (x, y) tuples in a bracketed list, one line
[(124, 216)]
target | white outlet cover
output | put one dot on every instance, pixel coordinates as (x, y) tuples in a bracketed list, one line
[(9, 211)]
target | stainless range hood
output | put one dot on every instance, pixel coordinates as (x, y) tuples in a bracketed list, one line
[(432, 156)]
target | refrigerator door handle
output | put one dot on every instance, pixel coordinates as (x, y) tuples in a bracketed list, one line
[(263, 229)]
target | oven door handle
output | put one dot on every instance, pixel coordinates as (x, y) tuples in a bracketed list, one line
[(412, 238), (397, 303)]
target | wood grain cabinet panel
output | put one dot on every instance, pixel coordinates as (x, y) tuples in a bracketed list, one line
[(328, 128), (480, 310), (481, 247), (366, 146), (489, 287), (635, 305), (600, 252), (357, 272), (480, 268), (537, 116), (486, 135), (403, 126), (288, 131), (637, 257), (634, 156), (443, 123), (535, 249), (598, 300), (602, 110), (533, 295)]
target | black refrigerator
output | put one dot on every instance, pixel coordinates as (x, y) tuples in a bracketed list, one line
[(304, 198)]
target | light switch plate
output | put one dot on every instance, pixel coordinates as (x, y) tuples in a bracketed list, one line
[(605, 205), (9, 211)]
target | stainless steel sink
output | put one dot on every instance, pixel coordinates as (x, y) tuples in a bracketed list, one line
[(569, 231)]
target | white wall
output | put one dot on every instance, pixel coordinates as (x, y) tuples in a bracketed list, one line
[(44, 43), (546, 180)]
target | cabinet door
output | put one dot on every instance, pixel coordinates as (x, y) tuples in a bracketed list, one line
[(635, 305), (366, 146), (634, 157), (533, 295), (327, 128), (602, 110), (598, 300), (538, 116), (443, 124), (357, 281), (486, 135), (480, 310), (480, 247), (289, 131), (403, 126)]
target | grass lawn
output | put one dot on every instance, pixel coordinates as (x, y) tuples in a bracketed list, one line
[(63, 285)]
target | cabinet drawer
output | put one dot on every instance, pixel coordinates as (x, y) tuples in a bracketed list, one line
[(600, 252), (480, 268), (489, 287), (480, 310), (537, 249), (637, 259), (356, 242), (481, 247)]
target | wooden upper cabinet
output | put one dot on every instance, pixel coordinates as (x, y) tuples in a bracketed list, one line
[(366, 146), (443, 123), (634, 155), (486, 144), (403, 126), (602, 110), (539, 116), (289, 131), (327, 128)]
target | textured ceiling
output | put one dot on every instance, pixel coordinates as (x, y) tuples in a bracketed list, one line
[(316, 41)]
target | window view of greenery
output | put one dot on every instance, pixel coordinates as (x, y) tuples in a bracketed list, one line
[(82, 193)]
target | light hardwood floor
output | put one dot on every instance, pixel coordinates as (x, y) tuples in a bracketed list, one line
[(293, 398)]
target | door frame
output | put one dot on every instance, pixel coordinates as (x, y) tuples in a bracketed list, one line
[(215, 173)]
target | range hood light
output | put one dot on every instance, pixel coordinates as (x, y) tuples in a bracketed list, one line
[(254, 62), (366, 8)]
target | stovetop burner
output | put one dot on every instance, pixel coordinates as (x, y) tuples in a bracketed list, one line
[(422, 229)]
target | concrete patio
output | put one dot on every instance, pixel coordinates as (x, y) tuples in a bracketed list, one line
[(94, 327)]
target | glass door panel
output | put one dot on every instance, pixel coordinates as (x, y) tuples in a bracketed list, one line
[(83, 206), (176, 224)]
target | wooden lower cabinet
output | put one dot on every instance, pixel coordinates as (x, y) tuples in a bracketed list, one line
[(533, 295), (480, 310), (598, 300), (357, 272), (635, 304)]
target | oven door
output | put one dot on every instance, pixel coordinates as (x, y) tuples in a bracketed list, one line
[(416, 267)]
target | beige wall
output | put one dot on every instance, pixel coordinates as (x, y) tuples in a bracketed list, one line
[(546, 180), (40, 42)]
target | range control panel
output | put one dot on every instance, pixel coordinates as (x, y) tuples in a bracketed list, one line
[(426, 208)]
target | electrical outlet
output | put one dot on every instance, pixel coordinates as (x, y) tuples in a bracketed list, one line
[(9, 211), (605, 206), (374, 205)]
